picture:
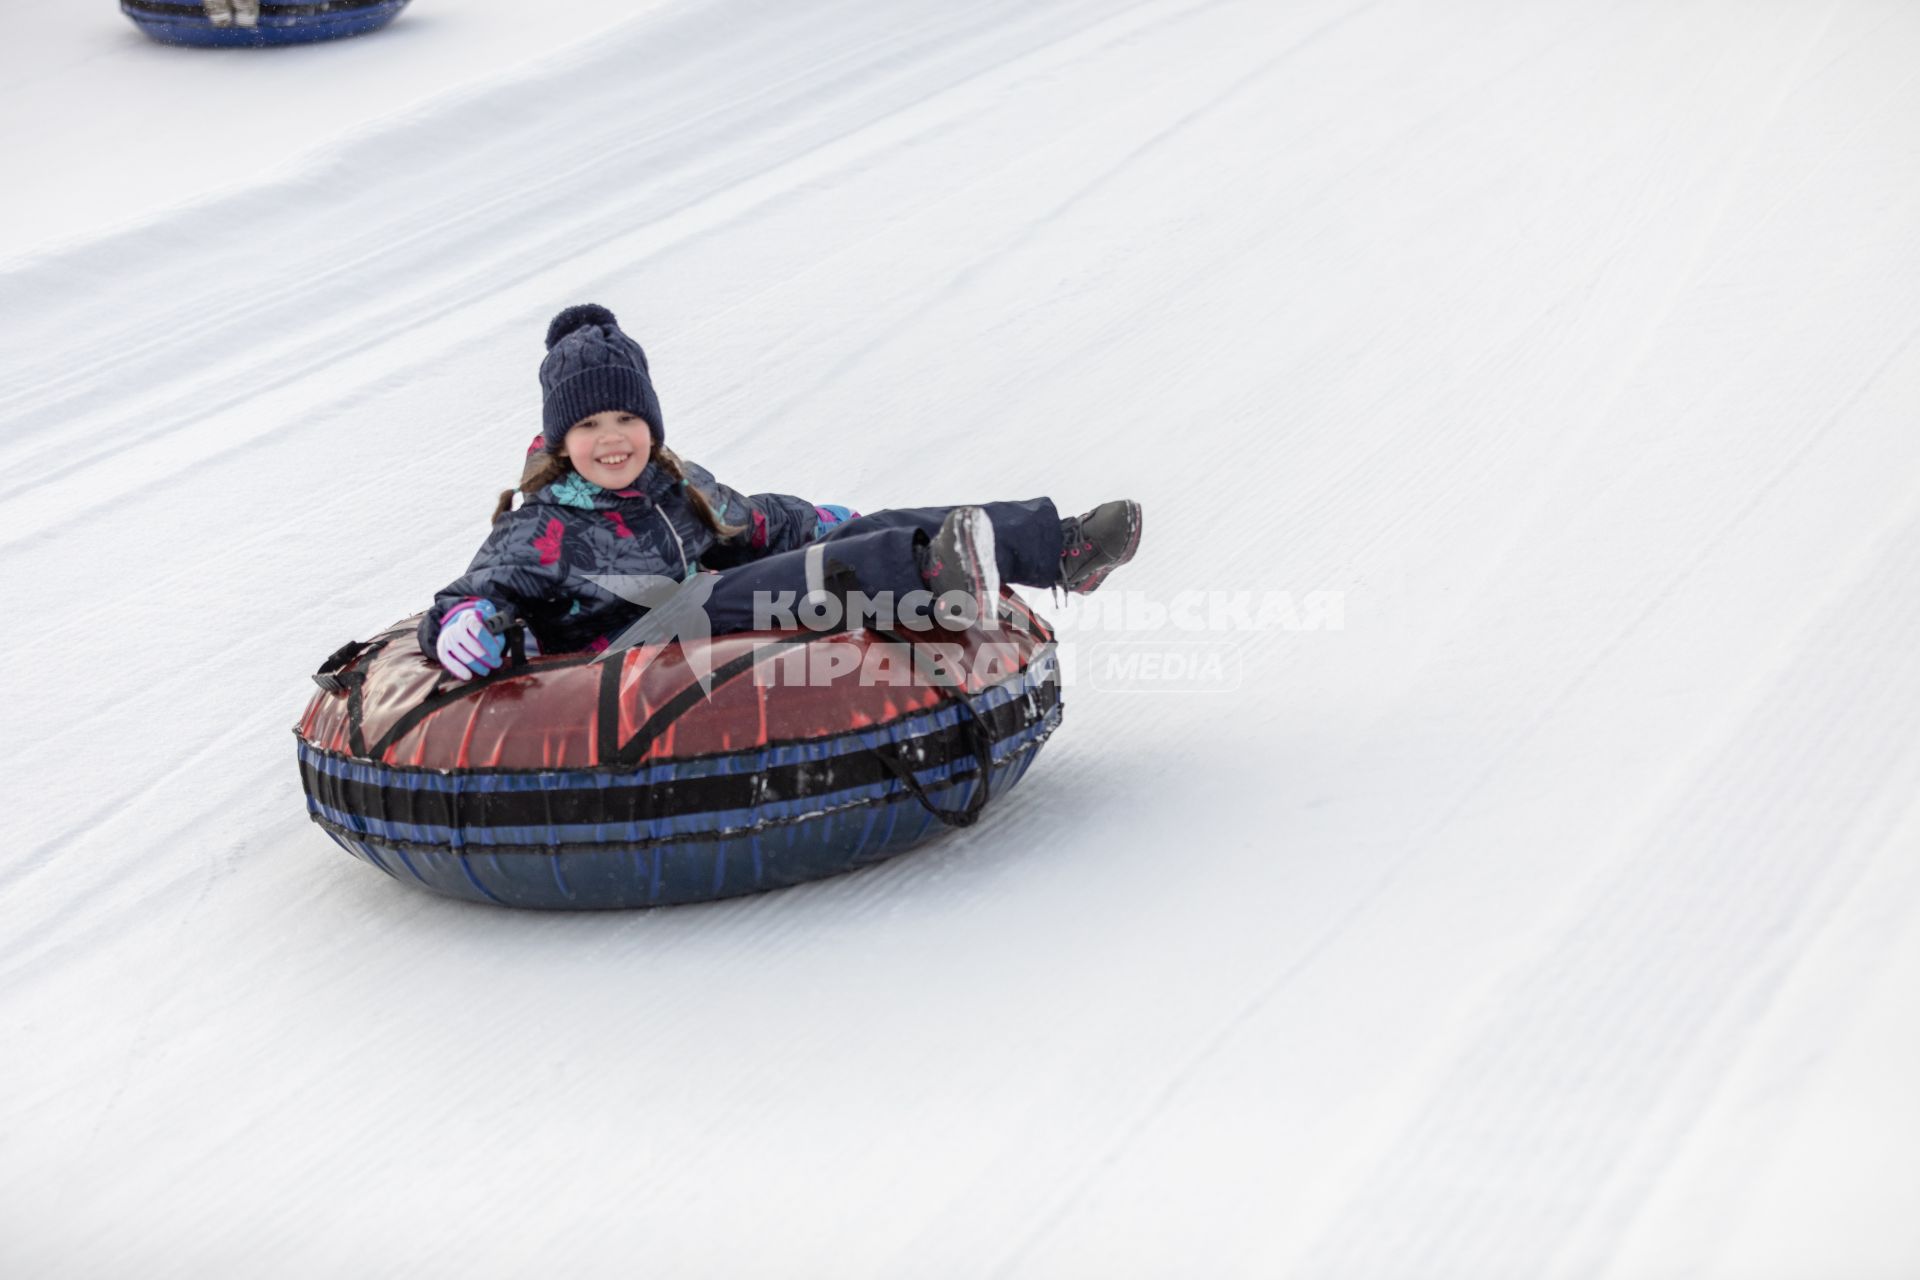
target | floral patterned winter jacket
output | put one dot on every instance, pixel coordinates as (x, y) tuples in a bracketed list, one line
[(537, 557)]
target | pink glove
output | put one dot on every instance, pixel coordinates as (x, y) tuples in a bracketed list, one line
[(466, 648)]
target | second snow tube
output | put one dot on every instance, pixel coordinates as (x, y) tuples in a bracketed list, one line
[(176, 22), (614, 780)]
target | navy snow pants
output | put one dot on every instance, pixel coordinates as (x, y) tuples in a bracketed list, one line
[(878, 549)]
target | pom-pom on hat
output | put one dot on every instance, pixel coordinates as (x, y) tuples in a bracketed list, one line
[(591, 367)]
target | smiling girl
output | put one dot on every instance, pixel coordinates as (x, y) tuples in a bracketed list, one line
[(604, 495)]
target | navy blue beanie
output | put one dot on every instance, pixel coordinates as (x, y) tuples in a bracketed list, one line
[(591, 367)]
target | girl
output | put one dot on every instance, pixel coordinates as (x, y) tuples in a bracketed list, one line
[(605, 496)]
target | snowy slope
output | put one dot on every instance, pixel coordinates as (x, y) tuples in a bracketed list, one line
[(1555, 914)]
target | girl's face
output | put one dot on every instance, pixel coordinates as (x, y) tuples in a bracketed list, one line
[(611, 448)]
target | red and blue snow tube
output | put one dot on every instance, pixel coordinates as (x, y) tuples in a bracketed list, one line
[(281, 21), (618, 780)]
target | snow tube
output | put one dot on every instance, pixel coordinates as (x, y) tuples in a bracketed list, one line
[(614, 780), (280, 23)]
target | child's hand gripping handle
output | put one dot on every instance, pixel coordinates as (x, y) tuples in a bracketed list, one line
[(476, 636)]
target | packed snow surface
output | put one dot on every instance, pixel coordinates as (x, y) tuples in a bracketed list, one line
[(1541, 899)]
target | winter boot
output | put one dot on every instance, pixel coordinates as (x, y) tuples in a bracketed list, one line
[(246, 13), (220, 12), (959, 569), (1097, 543)]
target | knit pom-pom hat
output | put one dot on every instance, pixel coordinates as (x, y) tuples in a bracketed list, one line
[(591, 367)]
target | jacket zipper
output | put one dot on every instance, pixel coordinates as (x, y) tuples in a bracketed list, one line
[(686, 570)]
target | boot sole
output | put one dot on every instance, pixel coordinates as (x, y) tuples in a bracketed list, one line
[(973, 545)]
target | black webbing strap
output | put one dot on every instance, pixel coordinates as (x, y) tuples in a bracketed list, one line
[(345, 671), (334, 677), (982, 739), (613, 751), (454, 693)]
